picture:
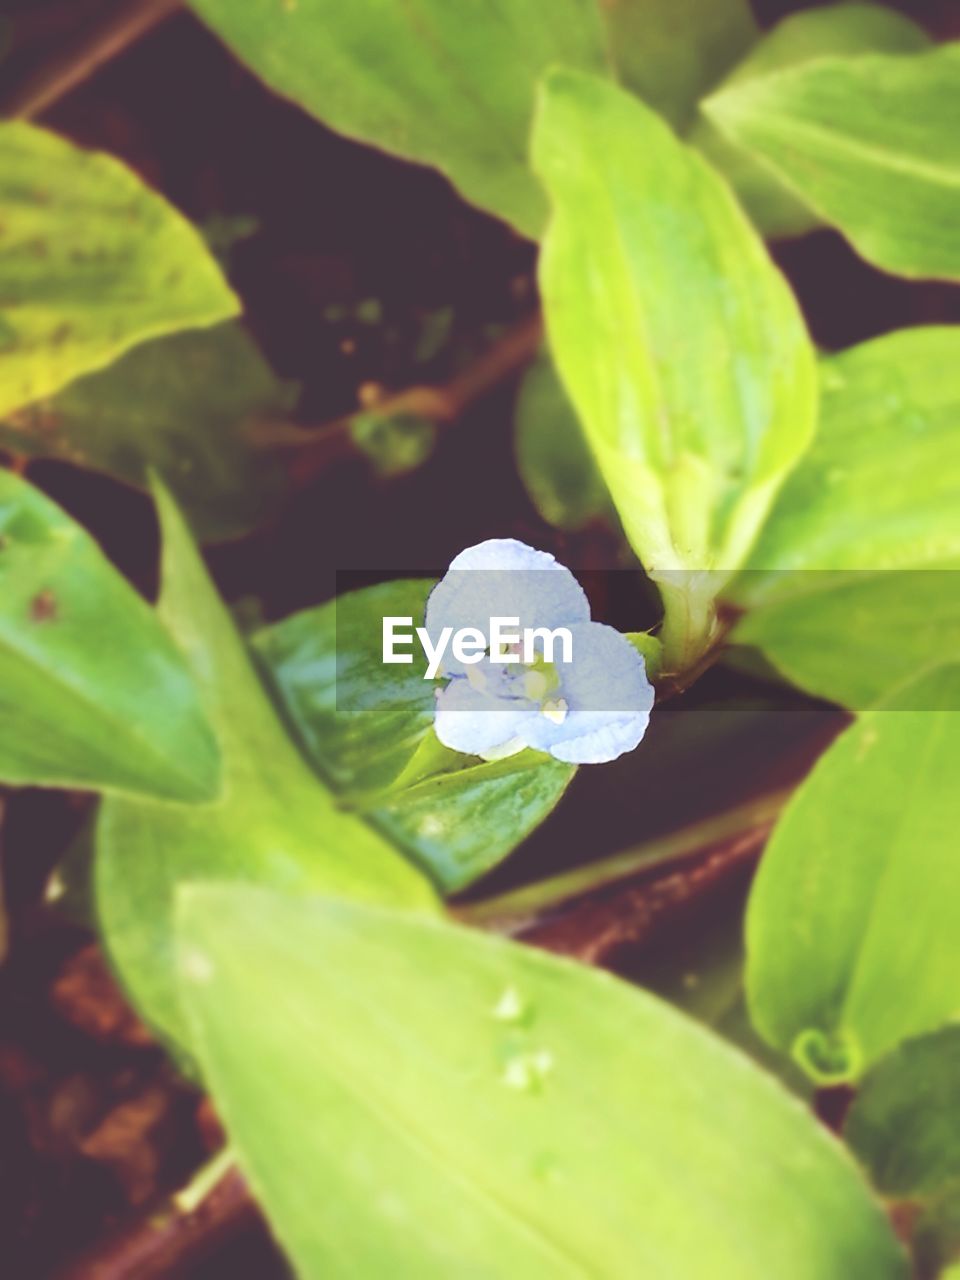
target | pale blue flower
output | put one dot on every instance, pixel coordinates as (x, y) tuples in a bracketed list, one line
[(585, 711)]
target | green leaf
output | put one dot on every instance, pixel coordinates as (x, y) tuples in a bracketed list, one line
[(695, 411), (876, 493), (395, 443), (368, 729), (701, 972), (870, 143), (553, 458), (429, 81), (475, 1107), (851, 926), (905, 1122), (650, 649), (91, 263), (855, 637), (669, 52), (878, 488), (798, 38), (274, 823), (93, 693), (184, 406)]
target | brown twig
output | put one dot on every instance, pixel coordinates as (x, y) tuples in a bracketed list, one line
[(312, 449), (524, 910), (166, 1240), (637, 914), (116, 33)]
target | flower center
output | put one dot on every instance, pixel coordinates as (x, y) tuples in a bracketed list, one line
[(538, 682)]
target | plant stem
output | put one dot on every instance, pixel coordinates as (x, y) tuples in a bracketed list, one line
[(116, 33), (314, 448), (189, 1198), (515, 911), (689, 622), (164, 1240)]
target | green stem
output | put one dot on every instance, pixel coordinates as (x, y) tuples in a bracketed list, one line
[(208, 1176), (512, 912), (689, 623)]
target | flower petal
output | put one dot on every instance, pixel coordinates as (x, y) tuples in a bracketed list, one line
[(608, 698), (507, 579), (477, 723)]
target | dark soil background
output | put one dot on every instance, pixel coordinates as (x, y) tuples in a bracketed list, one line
[(93, 1124)]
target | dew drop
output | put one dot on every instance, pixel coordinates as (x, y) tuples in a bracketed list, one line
[(517, 1075), (431, 827), (510, 1007), (195, 966), (527, 1071)]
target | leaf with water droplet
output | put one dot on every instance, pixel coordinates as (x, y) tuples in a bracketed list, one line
[(621, 1124)]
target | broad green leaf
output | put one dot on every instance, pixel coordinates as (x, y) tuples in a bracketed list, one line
[(855, 637), (445, 84), (185, 406), (679, 342), (905, 1122), (91, 263), (834, 29), (851, 927), (480, 1108), (800, 37), (670, 52), (870, 143), (93, 693), (275, 823), (878, 488), (875, 494), (367, 728), (553, 458)]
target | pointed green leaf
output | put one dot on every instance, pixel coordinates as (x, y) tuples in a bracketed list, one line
[(798, 38), (440, 83), (669, 52), (871, 143), (367, 727), (186, 407), (680, 344), (875, 495), (274, 823), (851, 926), (878, 488), (852, 638), (905, 1122), (91, 263), (93, 693), (414, 1099)]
